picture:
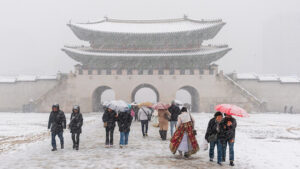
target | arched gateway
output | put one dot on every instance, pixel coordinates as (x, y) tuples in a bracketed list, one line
[(127, 55)]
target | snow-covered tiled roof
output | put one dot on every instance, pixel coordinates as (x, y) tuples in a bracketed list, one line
[(26, 78), (290, 79), (47, 77), (7, 79), (202, 51), (268, 77), (148, 26), (246, 76)]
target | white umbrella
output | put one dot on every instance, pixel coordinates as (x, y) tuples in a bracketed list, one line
[(118, 105), (178, 102)]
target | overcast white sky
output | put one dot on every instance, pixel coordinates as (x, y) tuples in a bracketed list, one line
[(264, 34)]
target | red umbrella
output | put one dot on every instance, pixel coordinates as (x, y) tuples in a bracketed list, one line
[(232, 110), (160, 106)]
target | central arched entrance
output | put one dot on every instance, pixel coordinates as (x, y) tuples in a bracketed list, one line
[(101, 94), (189, 95), (145, 93)]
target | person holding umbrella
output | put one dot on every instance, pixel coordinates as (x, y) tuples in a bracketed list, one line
[(163, 118), (213, 136), (229, 124), (124, 123), (109, 120)]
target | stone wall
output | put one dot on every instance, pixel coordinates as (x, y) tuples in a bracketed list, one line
[(211, 89), (14, 95), (277, 95)]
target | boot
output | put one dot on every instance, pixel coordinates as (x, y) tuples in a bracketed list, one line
[(54, 149), (231, 163), (160, 133), (74, 146), (62, 146), (77, 146), (164, 135)]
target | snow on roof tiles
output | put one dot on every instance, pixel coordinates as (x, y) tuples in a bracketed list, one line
[(7, 79), (268, 77), (246, 76), (199, 52), (289, 79), (148, 26), (47, 77), (26, 78)]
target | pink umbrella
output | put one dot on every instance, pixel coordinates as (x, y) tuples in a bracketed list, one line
[(232, 110), (160, 106)]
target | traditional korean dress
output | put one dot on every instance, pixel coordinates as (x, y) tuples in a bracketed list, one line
[(184, 139)]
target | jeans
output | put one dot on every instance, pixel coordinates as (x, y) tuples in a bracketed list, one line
[(172, 126), (60, 136), (231, 150), (109, 135), (124, 138), (75, 138), (144, 124), (212, 149)]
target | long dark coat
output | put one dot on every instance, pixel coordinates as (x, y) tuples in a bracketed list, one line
[(109, 118), (76, 122), (124, 121), (212, 128), (57, 121), (228, 131), (175, 112)]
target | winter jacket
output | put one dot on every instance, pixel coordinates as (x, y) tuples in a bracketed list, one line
[(163, 122), (124, 121), (57, 121), (109, 118), (143, 112), (213, 128), (175, 112), (76, 122), (228, 131)]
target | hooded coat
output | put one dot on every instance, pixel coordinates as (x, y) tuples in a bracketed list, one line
[(57, 121), (175, 112), (109, 118), (124, 121), (76, 122)]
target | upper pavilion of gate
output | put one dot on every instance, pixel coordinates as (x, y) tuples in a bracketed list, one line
[(165, 43)]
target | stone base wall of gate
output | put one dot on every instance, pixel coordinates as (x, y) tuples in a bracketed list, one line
[(78, 89)]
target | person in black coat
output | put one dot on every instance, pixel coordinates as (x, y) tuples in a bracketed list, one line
[(228, 126), (124, 123), (76, 122), (175, 112), (214, 136), (109, 119), (57, 123)]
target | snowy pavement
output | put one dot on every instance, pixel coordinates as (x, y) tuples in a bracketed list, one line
[(262, 141)]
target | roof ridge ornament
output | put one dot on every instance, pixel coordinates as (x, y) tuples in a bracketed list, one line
[(185, 17), (105, 18)]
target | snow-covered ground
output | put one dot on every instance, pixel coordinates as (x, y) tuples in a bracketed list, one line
[(263, 141)]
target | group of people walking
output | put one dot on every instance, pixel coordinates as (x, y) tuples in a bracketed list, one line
[(57, 124), (220, 130)]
